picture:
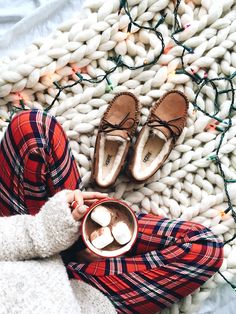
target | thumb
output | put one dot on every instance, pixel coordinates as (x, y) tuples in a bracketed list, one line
[(79, 212)]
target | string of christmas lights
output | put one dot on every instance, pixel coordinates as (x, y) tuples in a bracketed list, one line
[(117, 59), (200, 81)]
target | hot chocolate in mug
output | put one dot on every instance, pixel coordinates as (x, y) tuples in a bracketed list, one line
[(109, 228)]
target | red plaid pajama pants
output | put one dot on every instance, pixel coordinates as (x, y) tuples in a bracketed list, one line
[(170, 259)]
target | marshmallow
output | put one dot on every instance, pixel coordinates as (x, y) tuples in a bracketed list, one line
[(101, 237), (101, 216), (121, 232)]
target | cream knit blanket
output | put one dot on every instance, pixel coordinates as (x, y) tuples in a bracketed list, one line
[(189, 185)]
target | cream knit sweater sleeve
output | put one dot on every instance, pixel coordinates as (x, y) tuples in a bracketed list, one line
[(51, 231)]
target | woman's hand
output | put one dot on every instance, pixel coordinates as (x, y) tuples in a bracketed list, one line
[(83, 199)]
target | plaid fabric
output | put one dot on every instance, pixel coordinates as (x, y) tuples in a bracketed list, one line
[(170, 259), (36, 162)]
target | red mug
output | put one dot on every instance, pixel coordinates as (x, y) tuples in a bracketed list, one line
[(113, 249)]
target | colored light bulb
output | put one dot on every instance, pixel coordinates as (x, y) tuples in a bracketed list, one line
[(75, 69), (20, 97), (187, 25), (222, 213), (167, 49), (171, 73), (212, 127)]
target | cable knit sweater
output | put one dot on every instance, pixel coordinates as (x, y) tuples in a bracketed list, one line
[(33, 278)]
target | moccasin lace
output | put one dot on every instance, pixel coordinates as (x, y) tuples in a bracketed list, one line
[(155, 122), (122, 125)]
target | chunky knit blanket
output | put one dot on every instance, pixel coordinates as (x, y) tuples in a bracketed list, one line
[(188, 186)]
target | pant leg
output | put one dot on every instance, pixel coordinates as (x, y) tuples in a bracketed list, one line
[(36, 162), (173, 258)]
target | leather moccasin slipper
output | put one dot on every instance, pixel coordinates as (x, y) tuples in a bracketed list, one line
[(114, 136), (158, 136)]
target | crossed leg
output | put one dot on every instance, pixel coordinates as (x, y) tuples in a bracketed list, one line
[(36, 162), (170, 259)]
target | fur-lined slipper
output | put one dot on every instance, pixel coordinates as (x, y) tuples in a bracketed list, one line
[(158, 136), (114, 136)]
